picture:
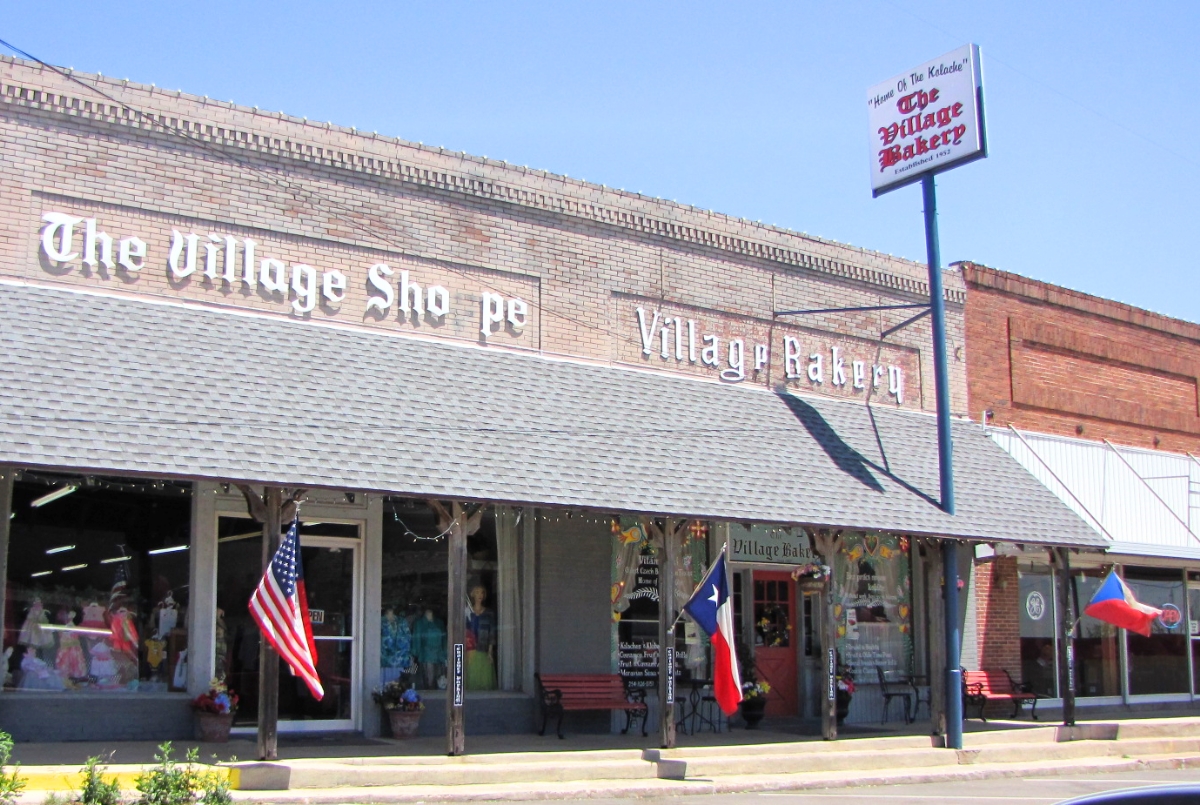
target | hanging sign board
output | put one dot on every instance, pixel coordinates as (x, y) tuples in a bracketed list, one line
[(458, 675), (927, 120)]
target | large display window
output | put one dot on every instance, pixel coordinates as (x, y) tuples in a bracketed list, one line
[(97, 587), (1159, 663), (1097, 659)]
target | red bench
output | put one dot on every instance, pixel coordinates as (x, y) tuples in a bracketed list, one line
[(981, 687), (562, 692)]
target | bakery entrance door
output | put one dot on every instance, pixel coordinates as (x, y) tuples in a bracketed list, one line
[(775, 640), (332, 578)]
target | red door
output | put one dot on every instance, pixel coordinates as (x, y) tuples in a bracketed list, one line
[(775, 639)]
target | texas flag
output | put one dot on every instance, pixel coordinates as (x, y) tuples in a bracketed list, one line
[(1114, 603), (710, 607)]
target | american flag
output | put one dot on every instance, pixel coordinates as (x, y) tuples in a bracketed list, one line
[(280, 608)]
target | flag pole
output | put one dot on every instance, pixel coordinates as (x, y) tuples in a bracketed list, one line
[(268, 660)]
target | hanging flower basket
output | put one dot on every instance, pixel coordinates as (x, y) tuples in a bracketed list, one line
[(811, 578)]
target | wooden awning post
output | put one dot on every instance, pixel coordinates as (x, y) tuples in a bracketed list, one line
[(667, 537), (457, 525), (827, 544), (1066, 633), (272, 511)]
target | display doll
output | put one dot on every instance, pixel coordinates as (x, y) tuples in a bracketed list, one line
[(36, 674), (69, 662), (93, 617), (481, 642), (220, 646), (32, 632), (168, 616), (429, 647), (395, 648), (124, 632)]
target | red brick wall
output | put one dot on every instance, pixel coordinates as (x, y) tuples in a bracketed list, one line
[(997, 621), (1052, 360)]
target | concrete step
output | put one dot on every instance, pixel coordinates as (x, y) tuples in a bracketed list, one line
[(712, 767), (1072, 750), (1159, 728), (314, 774)]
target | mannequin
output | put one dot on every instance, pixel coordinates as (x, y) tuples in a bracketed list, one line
[(429, 648), (103, 668), (395, 647), (481, 642), (69, 662)]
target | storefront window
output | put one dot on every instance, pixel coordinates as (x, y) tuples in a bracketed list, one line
[(1158, 663), (1193, 627), (873, 608), (1097, 664), (413, 603), (1038, 628), (97, 591)]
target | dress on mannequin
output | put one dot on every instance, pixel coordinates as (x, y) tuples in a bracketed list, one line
[(429, 648), (69, 662), (395, 649), (481, 642), (32, 632)]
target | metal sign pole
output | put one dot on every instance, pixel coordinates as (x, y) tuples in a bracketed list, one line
[(945, 465)]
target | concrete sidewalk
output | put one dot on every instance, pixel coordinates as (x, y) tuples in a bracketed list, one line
[(351, 769)]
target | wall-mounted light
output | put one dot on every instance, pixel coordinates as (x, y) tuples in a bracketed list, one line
[(60, 549), (61, 492), (170, 549), (349, 497)]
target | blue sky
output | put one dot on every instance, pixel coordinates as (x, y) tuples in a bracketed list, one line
[(756, 109)]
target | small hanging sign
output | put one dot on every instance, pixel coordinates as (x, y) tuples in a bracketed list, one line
[(458, 674), (670, 698)]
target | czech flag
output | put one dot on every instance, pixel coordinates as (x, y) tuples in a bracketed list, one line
[(710, 607), (1114, 603)]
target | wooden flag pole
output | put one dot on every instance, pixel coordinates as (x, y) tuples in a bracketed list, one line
[(272, 511), (457, 525), (828, 544)]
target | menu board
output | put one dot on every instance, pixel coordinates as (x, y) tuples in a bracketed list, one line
[(873, 603)]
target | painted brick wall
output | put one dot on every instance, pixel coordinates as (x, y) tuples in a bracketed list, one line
[(584, 257), (1052, 360)]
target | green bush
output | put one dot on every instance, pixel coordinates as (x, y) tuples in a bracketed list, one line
[(11, 783), (171, 783), (96, 790)]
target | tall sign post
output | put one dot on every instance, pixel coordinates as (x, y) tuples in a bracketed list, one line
[(923, 122)]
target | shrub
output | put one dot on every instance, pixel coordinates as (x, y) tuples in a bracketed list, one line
[(96, 790), (11, 783), (171, 783)]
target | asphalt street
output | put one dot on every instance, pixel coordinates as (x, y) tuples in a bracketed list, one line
[(1002, 791)]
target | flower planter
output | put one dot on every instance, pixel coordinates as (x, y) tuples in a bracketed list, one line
[(404, 722), (753, 710), (213, 727)]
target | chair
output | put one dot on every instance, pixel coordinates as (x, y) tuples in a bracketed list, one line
[(919, 697), (894, 690)]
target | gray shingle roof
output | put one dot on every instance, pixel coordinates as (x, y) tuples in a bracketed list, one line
[(122, 385)]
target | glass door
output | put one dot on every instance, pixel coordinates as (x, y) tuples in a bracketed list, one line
[(330, 554)]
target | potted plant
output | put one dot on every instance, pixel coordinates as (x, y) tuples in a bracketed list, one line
[(845, 692), (754, 702), (214, 712), (403, 706), (811, 577)]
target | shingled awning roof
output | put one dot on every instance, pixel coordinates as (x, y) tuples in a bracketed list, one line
[(113, 384)]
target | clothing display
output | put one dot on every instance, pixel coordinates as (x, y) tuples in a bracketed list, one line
[(36, 674), (168, 616), (32, 633), (395, 648), (93, 617), (429, 639), (103, 668), (124, 633), (480, 640), (69, 661)]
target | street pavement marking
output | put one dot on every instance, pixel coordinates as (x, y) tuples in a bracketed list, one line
[(844, 794)]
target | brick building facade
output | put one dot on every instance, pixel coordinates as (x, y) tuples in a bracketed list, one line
[(1105, 398), (203, 295)]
